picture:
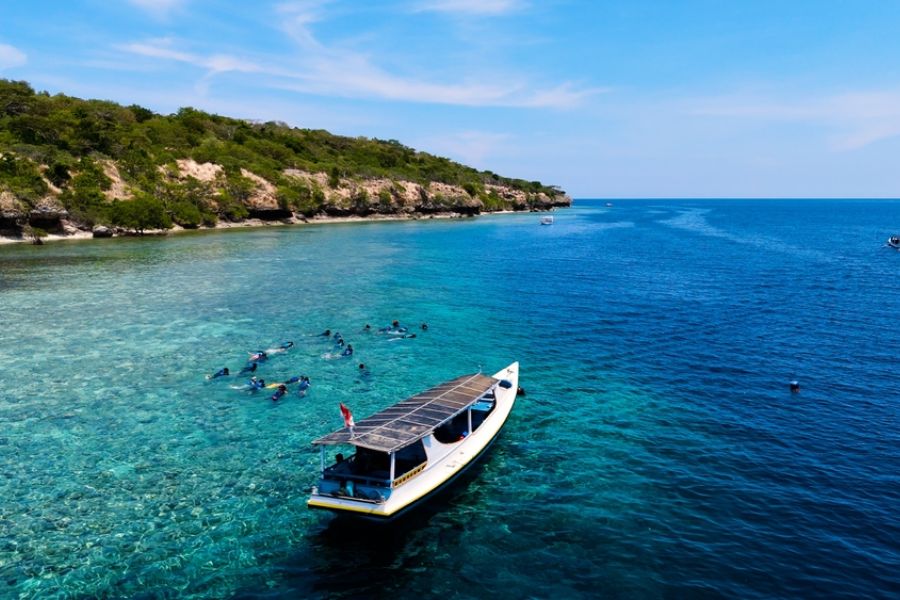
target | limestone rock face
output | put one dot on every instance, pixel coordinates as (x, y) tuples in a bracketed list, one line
[(48, 217), (518, 198), (264, 196), (443, 197), (545, 202), (118, 190), (318, 193), (11, 207), (205, 172)]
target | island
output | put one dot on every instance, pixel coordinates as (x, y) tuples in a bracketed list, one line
[(93, 168)]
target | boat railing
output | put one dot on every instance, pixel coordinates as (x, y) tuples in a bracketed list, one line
[(410, 474)]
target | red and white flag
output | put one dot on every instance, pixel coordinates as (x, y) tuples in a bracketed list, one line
[(348, 416)]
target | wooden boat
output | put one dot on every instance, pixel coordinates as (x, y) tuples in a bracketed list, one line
[(404, 454)]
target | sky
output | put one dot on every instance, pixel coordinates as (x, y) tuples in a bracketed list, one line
[(624, 99)]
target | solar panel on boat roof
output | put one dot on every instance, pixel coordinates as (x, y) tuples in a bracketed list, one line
[(412, 419)]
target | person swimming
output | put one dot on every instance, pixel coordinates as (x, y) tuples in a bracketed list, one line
[(250, 367), (367, 327), (281, 391), (348, 351), (393, 329), (293, 379), (365, 375), (424, 326), (279, 349), (258, 356), (256, 384), (304, 385), (405, 336), (326, 333), (220, 373)]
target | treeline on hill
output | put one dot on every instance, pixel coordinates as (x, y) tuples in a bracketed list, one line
[(63, 141)]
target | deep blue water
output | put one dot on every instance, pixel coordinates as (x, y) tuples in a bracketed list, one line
[(658, 452)]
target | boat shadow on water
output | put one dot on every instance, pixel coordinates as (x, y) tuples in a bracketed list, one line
[(345, 556)]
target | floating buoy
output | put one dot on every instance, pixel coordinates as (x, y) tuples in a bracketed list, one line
[(795, 386), (520, 391)]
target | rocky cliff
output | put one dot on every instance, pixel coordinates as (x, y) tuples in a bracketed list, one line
[(341, 197)]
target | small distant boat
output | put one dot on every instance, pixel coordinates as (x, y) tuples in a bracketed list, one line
[(609, 204), (547, 220), (405, 454), (894, 242)]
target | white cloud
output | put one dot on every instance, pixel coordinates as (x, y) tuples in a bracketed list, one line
[(299, 15), (470, 7), (851, 120), (10, 56), (321, 70), (158, 8), (340, 70), (217, 63)]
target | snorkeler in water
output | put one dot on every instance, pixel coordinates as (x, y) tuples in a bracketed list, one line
[(250, 367), (348, 351), (405, 336), (393, 329), (287, 345), (364, 374), (281, 391), (258, 356), (220, 373), (304, 385)]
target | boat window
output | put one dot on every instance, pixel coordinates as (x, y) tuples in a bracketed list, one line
[(481, 410), (453, 430), (408, 458), (371, 463)]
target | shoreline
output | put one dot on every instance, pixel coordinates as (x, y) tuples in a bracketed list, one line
[(80, 234)]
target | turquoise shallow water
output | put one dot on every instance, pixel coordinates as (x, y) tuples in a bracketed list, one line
[(658, 451)]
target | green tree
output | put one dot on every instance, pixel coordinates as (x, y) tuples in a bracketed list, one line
[(334, 177), (142, 213)]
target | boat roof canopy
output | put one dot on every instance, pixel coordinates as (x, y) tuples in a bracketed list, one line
[(412, 419)]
